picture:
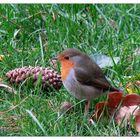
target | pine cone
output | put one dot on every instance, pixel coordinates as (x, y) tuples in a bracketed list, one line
[(49, 77)]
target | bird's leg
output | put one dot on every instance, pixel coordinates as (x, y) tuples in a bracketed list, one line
[(87, 105)]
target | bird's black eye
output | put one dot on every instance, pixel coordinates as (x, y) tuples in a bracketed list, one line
[(66, 57)]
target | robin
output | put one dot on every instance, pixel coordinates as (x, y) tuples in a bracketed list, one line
[(82, 77)]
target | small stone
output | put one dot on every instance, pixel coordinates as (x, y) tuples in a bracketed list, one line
[(66, 107)]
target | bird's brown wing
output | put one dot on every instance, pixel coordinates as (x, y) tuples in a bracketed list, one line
[(98, 81)]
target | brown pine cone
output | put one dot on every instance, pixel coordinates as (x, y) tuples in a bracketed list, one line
[(49, 77)]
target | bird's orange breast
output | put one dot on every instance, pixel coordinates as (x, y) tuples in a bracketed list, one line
[(66, 66)]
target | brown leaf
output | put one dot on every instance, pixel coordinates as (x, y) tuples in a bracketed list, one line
[(114, 99), (131, 100), (99, 108), (129, 107)]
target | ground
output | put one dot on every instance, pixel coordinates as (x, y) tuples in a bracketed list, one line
[(93, 28)]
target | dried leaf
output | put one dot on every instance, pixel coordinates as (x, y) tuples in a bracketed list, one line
[(104, 60), (129, 90), (129, 107), (131, 100), (99, 108), (124, 114), (1, 57), (114, 99), (133, 87)]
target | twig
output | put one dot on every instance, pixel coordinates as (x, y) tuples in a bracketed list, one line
[(4, 112), (39, 13), (9, 128), (8, 117), (8, 88)]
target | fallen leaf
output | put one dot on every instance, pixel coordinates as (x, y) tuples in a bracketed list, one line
[(131, 100), (124, 114), (129, 90), (1, 57), (133, 87), (100, 107), (104, 60), (114, 99), (127, 107)]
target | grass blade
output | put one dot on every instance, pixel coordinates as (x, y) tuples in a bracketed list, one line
[(36, 120)]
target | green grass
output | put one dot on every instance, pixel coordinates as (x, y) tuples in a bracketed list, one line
[(109, 29)]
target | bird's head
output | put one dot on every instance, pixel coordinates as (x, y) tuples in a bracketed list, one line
[(68, 60), (69, 55)]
